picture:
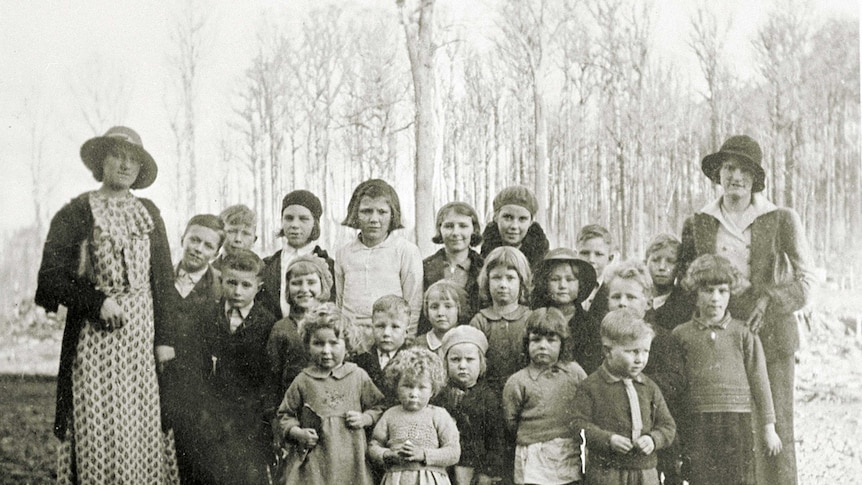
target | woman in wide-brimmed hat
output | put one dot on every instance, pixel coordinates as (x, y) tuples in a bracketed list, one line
[(768, 245), (107, 260)]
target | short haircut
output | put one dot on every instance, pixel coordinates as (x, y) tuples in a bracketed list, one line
[(462, 209), (662, 241), (593, 231), (447, 289), (239, 215), (632, 270), (416, 363), (623, 326), (373, 188), (546, 322), (242, 260), (391, 303), (311, 264), (711, 269), (509, 258), (328, 316), (210, 222)]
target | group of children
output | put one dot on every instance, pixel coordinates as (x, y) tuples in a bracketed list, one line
[(499, 367)]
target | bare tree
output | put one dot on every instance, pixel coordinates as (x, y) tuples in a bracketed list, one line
[(707, 40), (417, 18), (188, 39), (102, 93)]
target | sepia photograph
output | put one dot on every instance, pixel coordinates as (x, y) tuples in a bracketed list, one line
[(463, 242)]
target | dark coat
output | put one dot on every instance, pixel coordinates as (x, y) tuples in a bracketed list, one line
[(59, 284), (433, 270), (779, 230), (534, 246), (242, 371), (479, 416), (369, 362), (269, 296)]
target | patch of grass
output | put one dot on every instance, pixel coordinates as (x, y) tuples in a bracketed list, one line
[(27, 445)]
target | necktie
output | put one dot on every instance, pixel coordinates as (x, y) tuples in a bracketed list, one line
[(184, 283), (637, 423), (235, 319)]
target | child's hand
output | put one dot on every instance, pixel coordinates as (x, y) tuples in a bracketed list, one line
[(391, 458), (772, 441), (621, 444), (411, 452), (305, 436), (357, 420), (482, 479), (645, 444)]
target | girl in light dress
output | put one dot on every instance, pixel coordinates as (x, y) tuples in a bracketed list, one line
[(415, 441)]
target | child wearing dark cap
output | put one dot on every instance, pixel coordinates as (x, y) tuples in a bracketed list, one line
[(514, 225), (301, 211)]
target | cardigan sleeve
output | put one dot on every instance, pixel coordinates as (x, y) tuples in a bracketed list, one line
[(513, 400), (449, 451), (792, 295), (687, 249), (377, 446), (58, 282), (411, 284), (585, 410), (165, 295), (758, 379), (664, 427)]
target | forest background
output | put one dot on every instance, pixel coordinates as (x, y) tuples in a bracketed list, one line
[(605, 107)]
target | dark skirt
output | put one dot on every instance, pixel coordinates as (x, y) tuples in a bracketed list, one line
[(721, 449)]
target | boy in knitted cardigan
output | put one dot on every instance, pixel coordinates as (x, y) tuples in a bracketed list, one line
[(726, 373), (621, 411)]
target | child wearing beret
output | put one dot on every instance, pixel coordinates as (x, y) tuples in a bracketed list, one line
[(514, 225)]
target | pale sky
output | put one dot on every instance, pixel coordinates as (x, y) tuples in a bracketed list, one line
[(47, 46)]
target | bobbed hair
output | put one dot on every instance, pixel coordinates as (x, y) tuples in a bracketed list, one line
[(546, 322), (509, 258), (712, 269), (623, 326), (310, 264), (448, 289), (373, 188), (462, 209), (118, 149), (416, 363)]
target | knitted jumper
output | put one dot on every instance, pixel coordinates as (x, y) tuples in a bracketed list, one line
[(725, 368)]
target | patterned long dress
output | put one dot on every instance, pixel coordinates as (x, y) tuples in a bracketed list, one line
[(117, 435)]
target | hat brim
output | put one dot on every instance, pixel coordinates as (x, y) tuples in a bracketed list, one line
[(93, 148), (587, 279), (711, 164)]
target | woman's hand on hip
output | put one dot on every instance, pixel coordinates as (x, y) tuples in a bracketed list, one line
[(755, 320), (112, 314)]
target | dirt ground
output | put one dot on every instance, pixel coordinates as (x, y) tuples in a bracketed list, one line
[(828, 420)]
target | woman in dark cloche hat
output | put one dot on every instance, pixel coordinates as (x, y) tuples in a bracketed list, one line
[(107, 260), (768, 245)]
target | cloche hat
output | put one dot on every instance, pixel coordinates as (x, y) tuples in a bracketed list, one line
[(744, 149), (93, 153)]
